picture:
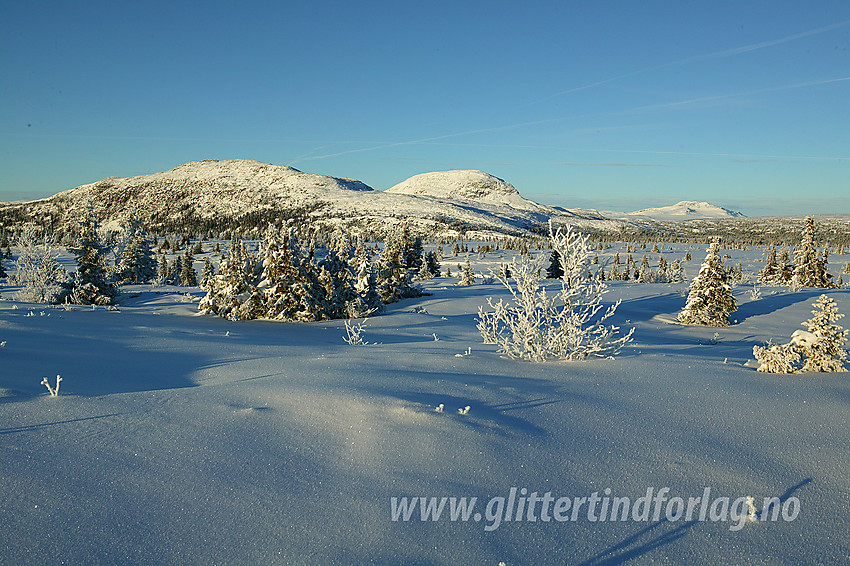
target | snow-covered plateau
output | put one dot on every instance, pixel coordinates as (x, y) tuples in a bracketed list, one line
[(182, 438)]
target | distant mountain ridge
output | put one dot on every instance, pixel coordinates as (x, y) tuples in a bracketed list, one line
[(245, 194), (684, 210)]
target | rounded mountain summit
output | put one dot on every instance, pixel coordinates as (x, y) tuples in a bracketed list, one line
[(468, 185)]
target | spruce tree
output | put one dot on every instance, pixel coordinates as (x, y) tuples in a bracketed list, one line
[(89, 285), (467, 276), (810, 269), (337, 283), (710, 298), (231, 287), (772, 272), (393, 278), (188, 276), (137, 264), (207, 273), (368, 301), (825, 352), (554, 271)]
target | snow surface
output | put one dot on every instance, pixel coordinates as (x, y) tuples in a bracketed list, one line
[(185, 439)]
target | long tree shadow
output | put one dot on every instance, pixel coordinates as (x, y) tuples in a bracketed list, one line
[(772, 303), (660, 534), (663, 533)]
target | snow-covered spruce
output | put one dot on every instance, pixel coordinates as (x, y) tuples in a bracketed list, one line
[(810, 267), (396, 263), (467, 276), (36, 269), (569, 325), (710, 297), (137, 263), (820, 348), (826, 351), (283, 282), (89, 285)]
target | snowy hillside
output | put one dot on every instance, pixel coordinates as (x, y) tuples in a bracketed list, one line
[(215, 195), (684, 210)]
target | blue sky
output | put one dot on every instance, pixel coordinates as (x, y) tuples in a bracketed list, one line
[(612, 105)]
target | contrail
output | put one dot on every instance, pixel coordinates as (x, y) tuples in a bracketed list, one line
[(716, 54), (734, 94), (432, 139)]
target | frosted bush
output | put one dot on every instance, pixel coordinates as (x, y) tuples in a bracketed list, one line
[(354, 333), (568, 325), (820, 348), (783, 358), (36, 269)]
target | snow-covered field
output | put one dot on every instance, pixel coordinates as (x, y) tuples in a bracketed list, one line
[(178, 438)]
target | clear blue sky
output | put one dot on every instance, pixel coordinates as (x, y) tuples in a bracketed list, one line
[(613, 105)]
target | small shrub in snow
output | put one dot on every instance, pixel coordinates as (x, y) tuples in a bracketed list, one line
[(354, 333), (755, 294), (784, 358), (820, 348), (569, 325), (54, 391)]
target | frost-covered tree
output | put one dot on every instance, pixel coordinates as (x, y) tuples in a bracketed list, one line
[(368, 300), (411, 248), (810, 268), (230, 288), (773, 273), (568, 325), (207, 273), (36, 269), (820, 348), (824, 350), (137, 263), (90, 284), (290, 280), (393, 278), (188, 276), (467, 276), (432, 264), (337, 282), (710, 299)]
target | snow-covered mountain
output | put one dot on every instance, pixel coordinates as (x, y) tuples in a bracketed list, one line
[(684, 210), (472, 186), (214, 195)]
